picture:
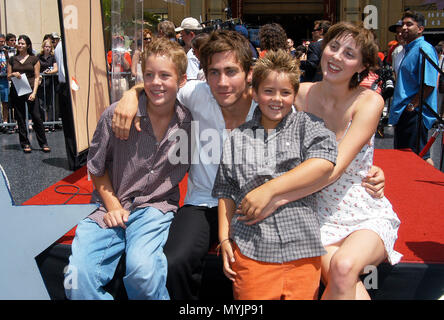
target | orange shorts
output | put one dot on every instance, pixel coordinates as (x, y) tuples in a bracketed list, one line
[(293, 280)]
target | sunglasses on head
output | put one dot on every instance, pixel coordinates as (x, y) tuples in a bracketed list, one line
[(147, 39)]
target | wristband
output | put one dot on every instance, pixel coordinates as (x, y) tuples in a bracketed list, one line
[(220, 245)]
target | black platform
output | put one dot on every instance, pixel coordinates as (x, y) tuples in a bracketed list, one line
[(404, 281)]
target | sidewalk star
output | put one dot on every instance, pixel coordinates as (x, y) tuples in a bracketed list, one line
[(26, 232)]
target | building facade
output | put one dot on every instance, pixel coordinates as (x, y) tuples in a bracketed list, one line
[(33, 18), (38, 17)]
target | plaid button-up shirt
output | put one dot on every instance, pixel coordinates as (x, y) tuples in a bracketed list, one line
[(140, 169), (250, 158)]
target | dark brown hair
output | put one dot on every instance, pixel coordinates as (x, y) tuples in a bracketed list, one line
[(364, 40), (226, 40), (272, 37)]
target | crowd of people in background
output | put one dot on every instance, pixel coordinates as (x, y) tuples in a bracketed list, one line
[(191, 34), (125, 64), (18, 58)]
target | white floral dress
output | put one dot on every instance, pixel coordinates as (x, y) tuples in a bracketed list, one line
[(345, 207)]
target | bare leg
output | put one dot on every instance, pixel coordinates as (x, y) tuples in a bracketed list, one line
[(5, 111), (346, 260)]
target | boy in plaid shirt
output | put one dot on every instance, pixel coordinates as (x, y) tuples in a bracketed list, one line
[(279, 257)]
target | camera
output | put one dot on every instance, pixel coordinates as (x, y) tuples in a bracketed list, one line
[(387, 80)]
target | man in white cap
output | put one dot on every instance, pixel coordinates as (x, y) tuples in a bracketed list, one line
[(188, 29), (55, 38)]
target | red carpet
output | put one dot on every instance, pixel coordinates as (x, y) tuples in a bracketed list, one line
[(80, 179), (415, 189)]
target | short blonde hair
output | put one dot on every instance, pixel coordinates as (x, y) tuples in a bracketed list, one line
[(280, 61), (171, 49)]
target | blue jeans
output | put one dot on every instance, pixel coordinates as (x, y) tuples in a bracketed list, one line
[(96, 253)]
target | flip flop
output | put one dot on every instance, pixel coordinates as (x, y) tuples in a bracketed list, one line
[(46, 148), (27, 148)]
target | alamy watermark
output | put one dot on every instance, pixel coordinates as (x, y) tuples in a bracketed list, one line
[(71, 278), (371, 280), (209, 146), (371, 18), (71, 17)]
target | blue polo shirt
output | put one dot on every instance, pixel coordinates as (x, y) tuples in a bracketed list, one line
[(409, 81)]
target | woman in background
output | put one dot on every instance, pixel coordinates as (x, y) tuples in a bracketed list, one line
[(136, 61), (25, 62)]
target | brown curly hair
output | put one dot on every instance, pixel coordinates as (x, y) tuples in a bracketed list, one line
[(364, 39), (272, 37)]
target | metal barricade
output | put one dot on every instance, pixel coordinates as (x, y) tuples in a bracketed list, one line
[(45, 77), (53, 122), (423, 103)]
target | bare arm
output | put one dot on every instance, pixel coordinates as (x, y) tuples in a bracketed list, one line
[(125, 112), (36, 81), (116, 215), (415, 100), (306, 176), (12, 74), (365, 121), (134, 62), (374, 183), (55, 69), (226, 208)]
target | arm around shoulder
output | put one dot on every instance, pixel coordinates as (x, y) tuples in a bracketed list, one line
[(125, 112)]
